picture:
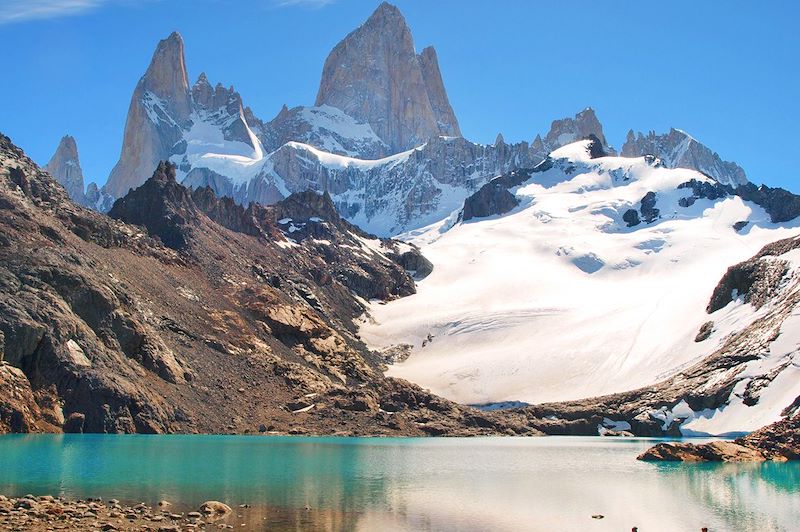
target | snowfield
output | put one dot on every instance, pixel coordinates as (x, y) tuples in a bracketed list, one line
[(559, 299)]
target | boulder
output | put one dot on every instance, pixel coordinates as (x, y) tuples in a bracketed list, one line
[(631, 218), (215, 509), (74, 423)]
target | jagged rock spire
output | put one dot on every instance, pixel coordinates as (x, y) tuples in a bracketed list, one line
[(160, 107), (569, 130), (375, 76), (65, 167), (440, 103), (166, 76)]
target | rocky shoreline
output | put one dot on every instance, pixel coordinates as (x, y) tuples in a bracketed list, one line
[(56, 513), (778, 442)]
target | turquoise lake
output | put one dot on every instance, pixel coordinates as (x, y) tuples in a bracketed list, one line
[(552, 483)]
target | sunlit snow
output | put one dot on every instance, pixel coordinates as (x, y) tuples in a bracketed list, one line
[(559, 299)]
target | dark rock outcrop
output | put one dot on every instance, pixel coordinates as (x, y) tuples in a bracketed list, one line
[(596, 149), (494, 197), (705, 331), (778, 441), (491, 199), (74, 423), (781, 205), (716, 451), (648, 208), (631, 218), (161, 205), (756, 279), (703, 189)]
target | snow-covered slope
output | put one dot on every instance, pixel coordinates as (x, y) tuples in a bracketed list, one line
[(755, 319), (326, 128), (562, 298)]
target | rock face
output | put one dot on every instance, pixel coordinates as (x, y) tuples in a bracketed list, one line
[(210, 317), (375, 75), (756, 280), (65, 167), (781, 204), (440, 103), (159, 110), (778, 441), (679, 150), (18, 409), (494, 197), (168, 119)]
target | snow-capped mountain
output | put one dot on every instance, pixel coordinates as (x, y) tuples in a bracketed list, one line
[(382, 139), (216, 141), (586, 276), (678, 149)]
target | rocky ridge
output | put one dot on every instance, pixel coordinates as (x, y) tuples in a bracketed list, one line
[(678, 149), (568, 130)]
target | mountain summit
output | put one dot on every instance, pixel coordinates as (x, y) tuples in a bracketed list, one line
[(375, 75), (678, 149), (65, 167), (159, 107), (166, 77)]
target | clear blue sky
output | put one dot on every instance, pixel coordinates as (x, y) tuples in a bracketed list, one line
[(728, 72)]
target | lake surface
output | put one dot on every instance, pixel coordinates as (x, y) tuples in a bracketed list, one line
[(551, 483)]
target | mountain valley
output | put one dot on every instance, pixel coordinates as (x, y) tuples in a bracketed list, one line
[(358, 267)]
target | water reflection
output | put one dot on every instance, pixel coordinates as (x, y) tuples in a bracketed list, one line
[(410, 484)]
